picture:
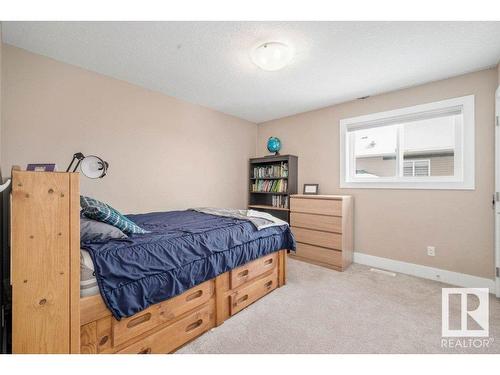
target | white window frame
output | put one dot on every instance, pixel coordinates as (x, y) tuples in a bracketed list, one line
[(463, 178)]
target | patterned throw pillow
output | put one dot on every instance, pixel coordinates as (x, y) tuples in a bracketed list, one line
[(96, 210)]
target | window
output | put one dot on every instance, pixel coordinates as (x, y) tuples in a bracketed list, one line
[(429, 146)]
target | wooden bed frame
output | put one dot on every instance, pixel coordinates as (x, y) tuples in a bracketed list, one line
[(50, 317)]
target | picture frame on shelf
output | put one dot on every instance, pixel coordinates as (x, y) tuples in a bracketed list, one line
[(42, 167), (311, 189)]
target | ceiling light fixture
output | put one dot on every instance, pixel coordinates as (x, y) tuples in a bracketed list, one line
[(272, 56)]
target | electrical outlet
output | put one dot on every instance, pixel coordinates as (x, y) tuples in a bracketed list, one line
[(431, 251)]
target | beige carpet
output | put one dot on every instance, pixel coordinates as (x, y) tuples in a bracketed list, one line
[(357, 311)]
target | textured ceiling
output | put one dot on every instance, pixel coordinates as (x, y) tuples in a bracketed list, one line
[(208, 62)]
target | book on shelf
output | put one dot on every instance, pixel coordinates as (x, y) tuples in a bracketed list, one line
[(271, 171), (270, 186), (280, 201)]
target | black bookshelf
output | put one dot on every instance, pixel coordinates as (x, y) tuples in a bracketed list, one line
[(271, 175)]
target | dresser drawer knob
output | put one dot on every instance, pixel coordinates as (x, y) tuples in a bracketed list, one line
[(145, 351), (269, 284)]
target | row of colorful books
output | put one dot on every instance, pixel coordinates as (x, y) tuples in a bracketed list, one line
[(271, 171), (270, 186), (280, 201)]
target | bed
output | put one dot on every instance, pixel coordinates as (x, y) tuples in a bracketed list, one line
[(157, 277), (157, 291)]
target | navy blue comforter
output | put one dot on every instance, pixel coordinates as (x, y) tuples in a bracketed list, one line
[(184, 249)]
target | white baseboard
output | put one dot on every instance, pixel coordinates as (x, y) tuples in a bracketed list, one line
[(448, 277)]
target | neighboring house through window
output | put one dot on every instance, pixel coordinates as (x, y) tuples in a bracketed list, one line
[(417, 168)]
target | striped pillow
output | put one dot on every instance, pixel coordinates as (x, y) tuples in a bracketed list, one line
[(96, 210)]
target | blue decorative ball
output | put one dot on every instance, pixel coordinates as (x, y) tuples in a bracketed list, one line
[(274, 144)]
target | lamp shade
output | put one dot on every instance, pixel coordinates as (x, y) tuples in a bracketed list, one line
[(93, 167)]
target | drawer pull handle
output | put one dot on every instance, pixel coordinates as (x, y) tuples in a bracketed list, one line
[(243, 274), (269, 284), (241, 300), (194, 325), (139, 320), (145, 351), (103, 340), (194, 295), (269, 261)]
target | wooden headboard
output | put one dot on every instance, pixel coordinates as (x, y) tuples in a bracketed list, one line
[(45, 262)]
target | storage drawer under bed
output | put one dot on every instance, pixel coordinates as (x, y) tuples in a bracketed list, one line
[(127, 328), (174, 335), (251, 270), (250, 293)]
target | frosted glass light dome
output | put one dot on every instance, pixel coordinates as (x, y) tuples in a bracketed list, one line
[(94, 167), (272, 56)]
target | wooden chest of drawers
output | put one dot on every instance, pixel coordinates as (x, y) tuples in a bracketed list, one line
[(323, 229)]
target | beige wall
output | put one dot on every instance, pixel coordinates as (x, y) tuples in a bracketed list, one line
[(399, 224), (163, 153)]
